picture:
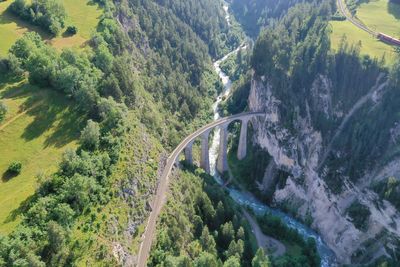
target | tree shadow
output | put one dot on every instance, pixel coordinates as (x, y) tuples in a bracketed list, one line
[(93, 3), (66, 34), (394, 9), (49, 109), (57, 113), (68, 128), (8, 175), (23, 207), (44, 116), (8, 17), (6, 78), (17, 91)]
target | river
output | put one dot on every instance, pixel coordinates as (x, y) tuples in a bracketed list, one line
[(328, 258)]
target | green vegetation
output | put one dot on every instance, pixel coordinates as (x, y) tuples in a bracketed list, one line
[(236, 67), (201, 226), (353, 35), (14, 168), (81, 14), (3, 111), (276, 56), (260, 260), (48, 14), (90, 136), (252, 167), (301, 253), (81, 181), (253, 15), (389, 189), (39, 124), (312, 82), (237, 102), (381, 16), (71, 30), (368, 12), (352, 5), (237, 64), (359, 215), (140, 82)]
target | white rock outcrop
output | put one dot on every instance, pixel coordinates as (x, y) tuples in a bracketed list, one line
[(300, 154)]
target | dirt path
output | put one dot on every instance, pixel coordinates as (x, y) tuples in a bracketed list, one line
[(2, 127), (270, 244)]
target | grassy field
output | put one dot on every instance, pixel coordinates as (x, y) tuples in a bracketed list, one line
[(369, 44), (39, 126), (40, 123), (84, 15), (381, 16)]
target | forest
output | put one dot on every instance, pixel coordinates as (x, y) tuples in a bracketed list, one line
[(133, 73), (293, 57)]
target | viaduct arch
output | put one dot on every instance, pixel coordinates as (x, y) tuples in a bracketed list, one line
[(186, 146)]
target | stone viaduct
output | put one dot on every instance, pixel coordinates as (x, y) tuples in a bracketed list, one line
[(186, 145), (222, 163)]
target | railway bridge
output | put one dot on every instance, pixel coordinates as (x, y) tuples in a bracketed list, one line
[(186, 147)]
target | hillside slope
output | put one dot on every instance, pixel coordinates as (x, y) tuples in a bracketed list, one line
[(332, 124)]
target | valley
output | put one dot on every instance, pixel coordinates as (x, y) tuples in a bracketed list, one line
[(199, 133)]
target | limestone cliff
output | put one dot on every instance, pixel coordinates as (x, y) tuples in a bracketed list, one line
[(300, 149)]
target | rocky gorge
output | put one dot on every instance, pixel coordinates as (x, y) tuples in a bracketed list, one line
[(301, 152)]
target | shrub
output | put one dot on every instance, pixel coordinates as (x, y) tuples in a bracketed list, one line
[(90, 136), (3, 63), (3, 111), (15, 168), (71, 30), (359, 215)]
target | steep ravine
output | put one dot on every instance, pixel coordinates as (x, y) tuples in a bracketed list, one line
[(246, 199), (307, 192)]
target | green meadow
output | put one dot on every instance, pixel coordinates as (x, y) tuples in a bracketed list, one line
[(378, 15), (39, 126), (381, 16), (40, 123), (369, 44), (82, 14)]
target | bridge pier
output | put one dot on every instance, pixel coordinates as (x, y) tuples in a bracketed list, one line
[(222, 164), (242, 148), (205, 155), (189, 153)]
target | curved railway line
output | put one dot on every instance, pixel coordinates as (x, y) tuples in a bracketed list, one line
[(160, 196), (379, 35)]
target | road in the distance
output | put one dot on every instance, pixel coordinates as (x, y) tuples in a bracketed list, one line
[(159, 198)]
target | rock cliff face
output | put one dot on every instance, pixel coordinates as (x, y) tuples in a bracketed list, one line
[(301, 150)]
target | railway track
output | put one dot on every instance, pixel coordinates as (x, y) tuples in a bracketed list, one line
[(160, 197), (379, 35), (355, 22)]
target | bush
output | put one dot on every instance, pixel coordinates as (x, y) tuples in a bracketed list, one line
[(90, 136), (71, 30), (359, 215), (3, 111), (15, 168), (338, 16)]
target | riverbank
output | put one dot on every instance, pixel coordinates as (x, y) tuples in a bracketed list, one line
[(247, 200)]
